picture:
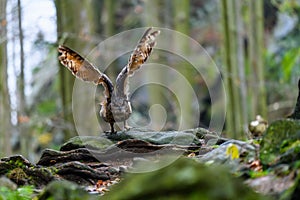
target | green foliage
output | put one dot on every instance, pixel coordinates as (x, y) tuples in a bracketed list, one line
[(286, 6), (22, 193), (47, 107), (282, 63), (289, 60)]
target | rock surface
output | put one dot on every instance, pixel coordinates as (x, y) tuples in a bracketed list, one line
[(96, 163), (62, 190), (281, 142), (183, 179)]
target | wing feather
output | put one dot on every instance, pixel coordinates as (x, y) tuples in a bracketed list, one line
[(83, 69), (142, 51), (138, 57)]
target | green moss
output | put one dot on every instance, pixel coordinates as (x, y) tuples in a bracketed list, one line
[(18, 176), (297, 165), (16, 173), (53, 170), (292, 192), (184, 179), (289, 144), (19, 163), (61, 190), (91, 142), (282, 136), (257, 174)]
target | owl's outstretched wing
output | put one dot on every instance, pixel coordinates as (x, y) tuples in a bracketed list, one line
[(138, 57), (142, 51), (84, 70)]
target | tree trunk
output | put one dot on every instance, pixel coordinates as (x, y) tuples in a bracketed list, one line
[(256, 42), (5, 109), (231, 74), (75, 24), (109, 30), (151, 19), (22, 100), (241, 102), (241, 66), (181, 24), (25, 137)]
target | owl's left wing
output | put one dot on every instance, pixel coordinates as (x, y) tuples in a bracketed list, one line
[(83, 69), (138, 57)]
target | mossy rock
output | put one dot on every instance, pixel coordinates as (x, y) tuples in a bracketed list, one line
[(281, 142), (184, 179), (185, 137), (90, 142), (293, 192), (61, 190), (6, 182)]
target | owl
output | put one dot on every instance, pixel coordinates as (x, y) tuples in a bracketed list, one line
[(116, 105)]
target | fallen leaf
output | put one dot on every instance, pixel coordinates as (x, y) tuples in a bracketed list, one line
[(232, 151)]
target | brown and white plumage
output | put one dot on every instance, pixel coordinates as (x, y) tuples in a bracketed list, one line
[(83, 69), (116, 105)]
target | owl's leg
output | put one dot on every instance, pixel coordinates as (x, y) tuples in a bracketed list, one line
[(126, 126), (112, 130)]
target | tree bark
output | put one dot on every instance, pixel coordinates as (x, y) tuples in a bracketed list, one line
[(109, 30), (241, 66), (5, 107), (241, 102), (228, 65), (25, 137), (182, 24), (75, 24), (256, 45), (152, 19)]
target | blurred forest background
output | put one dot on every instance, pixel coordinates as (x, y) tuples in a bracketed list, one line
[(254, 43)]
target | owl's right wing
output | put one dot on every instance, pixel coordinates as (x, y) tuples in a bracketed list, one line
[(138, 57), (143, 50), (83, 69)]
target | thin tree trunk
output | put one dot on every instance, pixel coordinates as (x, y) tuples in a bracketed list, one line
[(230, 49), (72, 29), (226, 52), (182, 24), (262, 104), (241, 102), (25, 138), (259, 102), (5, 107), (66, 23), (109, 17), (241, 65), (252, 59), (152, 19), (97, 7), (109, 29), (22, 101)]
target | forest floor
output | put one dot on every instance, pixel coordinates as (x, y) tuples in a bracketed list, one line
[(139, 163)]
